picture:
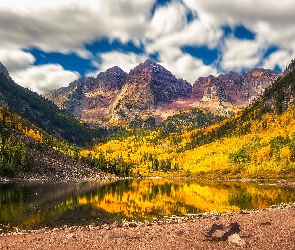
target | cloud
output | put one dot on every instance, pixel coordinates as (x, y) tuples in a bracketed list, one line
[(38, 78), (44, 78), (195, 33), (241, 54), (15, 59), (280, 58), (167, 19), (65, 26), (68, 26), (125, 61), (272, 21), (184, 65)]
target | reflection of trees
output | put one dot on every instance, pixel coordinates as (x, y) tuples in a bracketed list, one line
[(13, 202), (243, 200), (133, 199), (18, 201)]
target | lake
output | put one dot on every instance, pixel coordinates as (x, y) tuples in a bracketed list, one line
[(38, 204)]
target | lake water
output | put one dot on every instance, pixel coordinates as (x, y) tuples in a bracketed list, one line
[(32, 205)]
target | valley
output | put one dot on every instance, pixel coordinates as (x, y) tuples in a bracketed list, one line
[(159, 125)]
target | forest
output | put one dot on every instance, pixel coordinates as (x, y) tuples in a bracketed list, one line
[(257, 142)]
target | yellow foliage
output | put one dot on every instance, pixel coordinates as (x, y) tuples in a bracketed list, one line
[(211, 159), (262, 154), (286, 154)]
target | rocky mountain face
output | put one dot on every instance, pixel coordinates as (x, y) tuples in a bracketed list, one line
[(150, 90), (146, 87), (3, 70), (89, 98), (117, 97), (237, 89)]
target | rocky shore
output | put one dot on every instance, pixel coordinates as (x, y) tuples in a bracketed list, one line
[(272, 228)]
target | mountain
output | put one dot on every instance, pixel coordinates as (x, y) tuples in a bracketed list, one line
[(261, 114), (4, 71), (43, 113), (256, 142), (151, 91), (237, 89), (117, 97), (89, 98), (147, 86), (36, 139), (27, 151)]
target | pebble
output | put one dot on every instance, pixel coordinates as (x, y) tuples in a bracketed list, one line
[(71, 236), (236, 240)]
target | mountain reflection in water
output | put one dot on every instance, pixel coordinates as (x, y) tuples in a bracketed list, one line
[(31, 205)]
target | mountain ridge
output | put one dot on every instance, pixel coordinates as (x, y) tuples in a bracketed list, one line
[(150, 90), (257, 142)]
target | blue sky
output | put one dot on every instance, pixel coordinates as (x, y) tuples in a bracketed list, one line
[(48, 44)]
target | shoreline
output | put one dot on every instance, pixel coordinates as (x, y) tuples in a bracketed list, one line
[(102, 177), (270, 228)]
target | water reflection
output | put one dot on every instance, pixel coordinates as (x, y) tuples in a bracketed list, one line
[(32, 205)]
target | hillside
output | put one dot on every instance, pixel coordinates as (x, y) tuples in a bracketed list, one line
[(258, 142), (43, 113), (26, 151), (151, 91)]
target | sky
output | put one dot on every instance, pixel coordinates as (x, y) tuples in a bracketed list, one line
[(48, 44)]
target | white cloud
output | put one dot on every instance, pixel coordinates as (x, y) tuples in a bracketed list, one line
[(44, 78), (241, 54), (167, 19), (195, 33), (65, 26), (271, 20), (125, 61), (38, 78), (184, 65), (15, 59), (280, 58), (248, 12)]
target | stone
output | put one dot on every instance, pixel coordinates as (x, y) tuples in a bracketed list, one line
[(132, 224), (179, 232), (71, 236), (236, 240), (267, 223), (220, 232)]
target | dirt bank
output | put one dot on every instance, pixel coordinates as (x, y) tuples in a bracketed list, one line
[(273, 228)]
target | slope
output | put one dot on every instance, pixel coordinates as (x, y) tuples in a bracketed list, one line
[(26, 151), (258, 142), (44, 113)]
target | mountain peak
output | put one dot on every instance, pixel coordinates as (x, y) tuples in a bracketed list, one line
[(115, 69), (149, 62), (3, 70)]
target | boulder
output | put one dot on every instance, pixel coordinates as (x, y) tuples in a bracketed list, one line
[(236, 240), (220, 232)]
